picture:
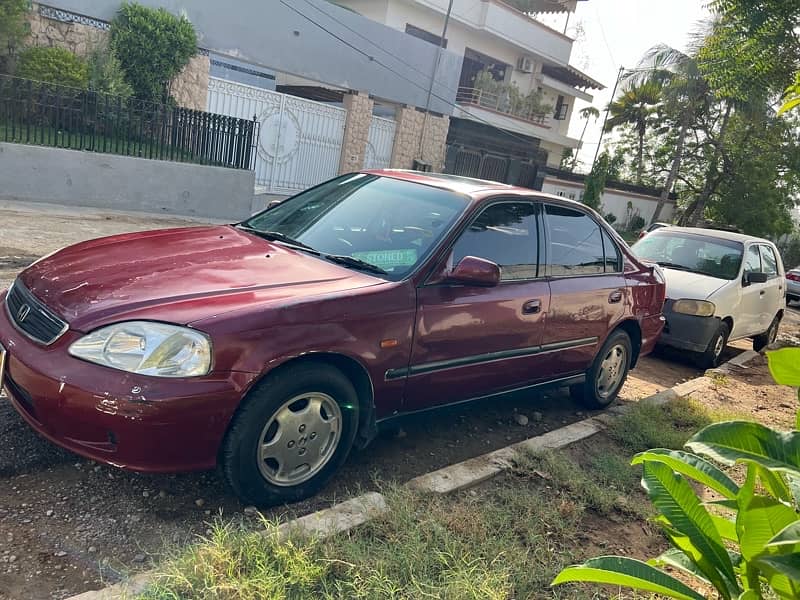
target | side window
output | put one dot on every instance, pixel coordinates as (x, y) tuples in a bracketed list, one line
[(504, 233), (752, 261), (576, 245), (769, 262), (612, 254)]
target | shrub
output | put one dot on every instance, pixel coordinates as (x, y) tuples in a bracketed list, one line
[(152, 46), (106, 74), (746, 545), (610, 218), (53, 65), (636, 223)]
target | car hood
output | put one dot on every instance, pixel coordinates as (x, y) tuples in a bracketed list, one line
[(683, 284), (178, 275)]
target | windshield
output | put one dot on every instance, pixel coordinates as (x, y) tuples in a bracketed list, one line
[(385, 222), (710, 256)]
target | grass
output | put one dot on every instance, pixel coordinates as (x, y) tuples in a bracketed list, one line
[(506, 539)]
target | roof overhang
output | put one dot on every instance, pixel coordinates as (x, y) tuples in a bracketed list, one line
[(572, 77), (550, 6)]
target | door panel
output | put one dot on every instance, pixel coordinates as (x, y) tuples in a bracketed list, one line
[(471, 341), (588, 290), (773, 297), (750, 318)]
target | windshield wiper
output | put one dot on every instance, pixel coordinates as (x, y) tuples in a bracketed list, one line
[(357, 263), (670, 265), (276, 236)]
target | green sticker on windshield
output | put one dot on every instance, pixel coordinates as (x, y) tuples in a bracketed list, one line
[(388, 259)]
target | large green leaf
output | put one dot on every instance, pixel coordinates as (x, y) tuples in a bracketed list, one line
[(784, 364), (678, 560), (689, 525), (774, 483), (782, 573), (786, 541), (726, 527), (627, 572), (693, 466), (736, 441)]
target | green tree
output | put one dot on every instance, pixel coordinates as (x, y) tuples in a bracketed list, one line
[(634, 108), (791, 97), (53, 65), (14, 27), (686, 95), (596, 181), (106, 74), (152, 46)]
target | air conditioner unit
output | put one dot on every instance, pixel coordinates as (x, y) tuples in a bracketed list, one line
[(525, 64)]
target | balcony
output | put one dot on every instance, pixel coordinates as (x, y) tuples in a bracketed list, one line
[(503, 111)]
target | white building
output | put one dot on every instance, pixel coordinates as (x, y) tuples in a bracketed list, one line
[(493, 133)]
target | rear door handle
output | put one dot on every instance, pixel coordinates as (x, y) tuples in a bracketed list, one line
[(762, 292), (615, 297), (532, 307)]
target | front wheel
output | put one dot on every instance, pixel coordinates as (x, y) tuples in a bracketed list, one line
[(290, 435), (711, 358), (769, 336), (607, 375)]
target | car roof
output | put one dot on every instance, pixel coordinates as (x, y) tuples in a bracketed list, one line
[(715, 233), (475, 188)]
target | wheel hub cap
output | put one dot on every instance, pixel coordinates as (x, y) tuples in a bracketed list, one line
[(611, 372), (299, 439)]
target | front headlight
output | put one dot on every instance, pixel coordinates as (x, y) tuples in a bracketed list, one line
[(147, 348), (698, 308)]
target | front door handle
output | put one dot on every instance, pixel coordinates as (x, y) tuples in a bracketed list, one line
[(532, 307), (615, 297), (762, 292)]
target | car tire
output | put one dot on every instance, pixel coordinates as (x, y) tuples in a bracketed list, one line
[(607, 374), (291, 433), (710, 359), (770, 335)]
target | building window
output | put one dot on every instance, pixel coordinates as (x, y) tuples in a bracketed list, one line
[(562, 108), (425, 35)]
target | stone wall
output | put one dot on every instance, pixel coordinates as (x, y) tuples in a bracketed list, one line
[(190, 87), (81, 35), (356, 131), (410, 126), (75, 36)]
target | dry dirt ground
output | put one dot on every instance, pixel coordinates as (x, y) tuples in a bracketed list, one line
[(68, 524)]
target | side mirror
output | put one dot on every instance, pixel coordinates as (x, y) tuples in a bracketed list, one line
[(751, 278), (475, 271), (273, 204)]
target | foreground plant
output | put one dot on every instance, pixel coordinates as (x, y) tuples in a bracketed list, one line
[(743, 542)]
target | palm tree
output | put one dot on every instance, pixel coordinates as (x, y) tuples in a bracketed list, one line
[(634, 108), (585, 113), (685, 93)]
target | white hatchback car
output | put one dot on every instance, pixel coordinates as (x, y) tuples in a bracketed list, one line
[(721, 287)]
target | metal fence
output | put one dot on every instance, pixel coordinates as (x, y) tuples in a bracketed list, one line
[(44, 114)]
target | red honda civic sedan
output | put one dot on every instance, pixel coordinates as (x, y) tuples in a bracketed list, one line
[(272, 346)]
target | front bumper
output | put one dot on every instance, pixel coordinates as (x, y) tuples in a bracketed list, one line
[(687, 332), (130, 421)]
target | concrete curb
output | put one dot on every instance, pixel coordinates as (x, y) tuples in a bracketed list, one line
[(469, 473)]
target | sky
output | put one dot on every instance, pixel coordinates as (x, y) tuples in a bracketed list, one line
[(617, 33)]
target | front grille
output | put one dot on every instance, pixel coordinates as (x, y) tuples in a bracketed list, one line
[(36, 321)]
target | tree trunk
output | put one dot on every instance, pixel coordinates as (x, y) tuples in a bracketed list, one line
[(693, 218), (580, 144), (673, 171), (640, 159)]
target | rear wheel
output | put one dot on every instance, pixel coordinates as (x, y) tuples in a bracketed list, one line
[(713, 354), (770, 335), (608, 373), (291, 434)]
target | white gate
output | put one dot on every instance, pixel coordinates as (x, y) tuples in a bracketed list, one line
[(378, 154), (300, 143)]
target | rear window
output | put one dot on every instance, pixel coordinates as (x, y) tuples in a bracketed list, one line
[(577, 246)]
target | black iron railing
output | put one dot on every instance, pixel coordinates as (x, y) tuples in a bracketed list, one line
[(32, 112)]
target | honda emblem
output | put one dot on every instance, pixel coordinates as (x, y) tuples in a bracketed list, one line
[(23, 313)]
